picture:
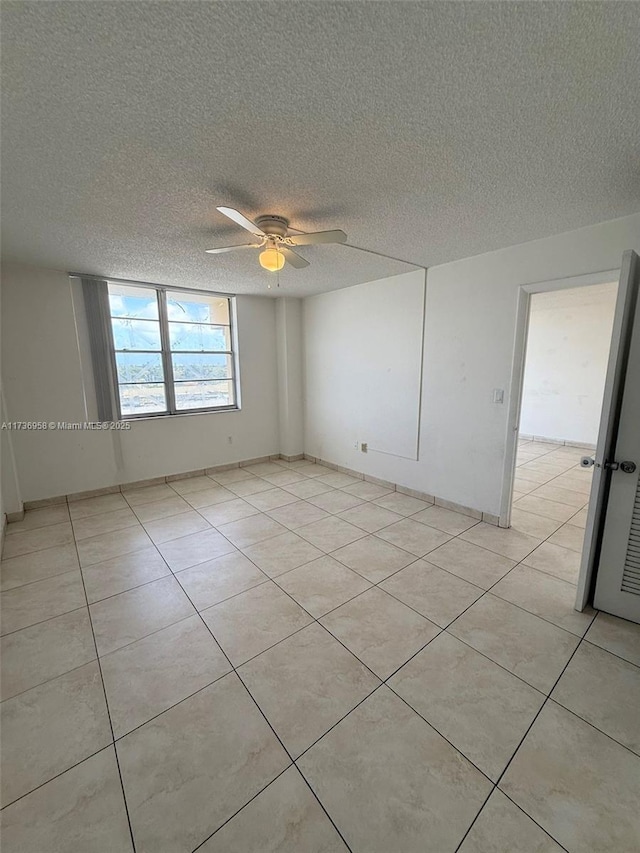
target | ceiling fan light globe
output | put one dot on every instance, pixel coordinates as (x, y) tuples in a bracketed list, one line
[(271, 259)]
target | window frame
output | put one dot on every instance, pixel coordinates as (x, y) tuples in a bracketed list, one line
[(166, 353)]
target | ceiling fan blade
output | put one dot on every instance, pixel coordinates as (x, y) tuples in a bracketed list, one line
[(221, 249), (240, 219), (293, 258), (336, 236)]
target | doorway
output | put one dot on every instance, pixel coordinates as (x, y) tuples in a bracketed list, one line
[(558, 388)]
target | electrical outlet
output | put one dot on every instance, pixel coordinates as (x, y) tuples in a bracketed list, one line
[(364, 447)]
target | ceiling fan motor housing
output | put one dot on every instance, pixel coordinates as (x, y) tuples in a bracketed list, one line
[(273, 225)]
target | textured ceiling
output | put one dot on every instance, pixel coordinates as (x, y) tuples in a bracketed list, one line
[(427, 131)]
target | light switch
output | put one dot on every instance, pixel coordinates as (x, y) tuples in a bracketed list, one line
[(498, 395)]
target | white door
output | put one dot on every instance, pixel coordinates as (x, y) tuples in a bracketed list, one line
[(611, 555)]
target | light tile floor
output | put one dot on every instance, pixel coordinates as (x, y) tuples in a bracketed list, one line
[(286, 658)]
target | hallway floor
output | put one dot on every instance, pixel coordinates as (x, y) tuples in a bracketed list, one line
[(286, 659)]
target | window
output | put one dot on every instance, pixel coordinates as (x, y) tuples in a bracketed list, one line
[(173, 350)]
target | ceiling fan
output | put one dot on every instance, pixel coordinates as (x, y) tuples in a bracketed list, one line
[(271, 233)]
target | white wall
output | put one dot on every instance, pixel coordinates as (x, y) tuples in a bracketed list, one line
[(290, 378), (469, 341), (42, 372), (363, 360), (566, 362)]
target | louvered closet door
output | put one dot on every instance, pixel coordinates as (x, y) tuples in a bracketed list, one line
[(617, 588)]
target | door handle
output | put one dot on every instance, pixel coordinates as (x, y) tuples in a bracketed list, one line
[(625, 467)]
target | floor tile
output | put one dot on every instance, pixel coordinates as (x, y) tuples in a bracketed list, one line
[(305, 684), (502, 827), (106, 522), (605, 691), (322, 585), (50, 728), (37, 540), (546, 596), (148, 676), (524, 487), (480, 708), (555, 560), (471, 562), (197, 548), (38, 565), (582, 787), (335, 501), (418, 539), (390, 782), (102, 580), (534, 525), (308, 488), (367, 491), (373, 558), (381, 631), (281, 553), (83, 809), (162, 509), (545, 507), (211, 496), (233, 475), (271, 499), (575, 483), (97, 549), (253, 486), (526, 645), (148, 494), (262, 468), (579, 519), (96, 506), (284, 478), (533, 476), (202, 773), (284, 818), (506, 542), (250, 530), (35, 602), (445, 519), (131, 615), (568, 536), (554, 492), (370, 517), (166, 529), (36, 518), (297, 514), (618, 636), (338, 480), (331, 533), (438, 595), (44, 651), (190, 485), (216, 580), (312, 469), (228, 511), (255, 620), (402, 504)]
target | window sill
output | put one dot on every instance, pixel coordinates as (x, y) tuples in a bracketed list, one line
[(190, 414)]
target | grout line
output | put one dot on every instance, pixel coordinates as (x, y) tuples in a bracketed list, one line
[(108, 710)]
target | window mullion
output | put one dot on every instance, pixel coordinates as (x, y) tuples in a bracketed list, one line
[(166, 352)]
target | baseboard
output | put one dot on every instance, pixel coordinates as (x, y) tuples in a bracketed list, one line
[(488, 517), (153, 481), (561, 442)]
